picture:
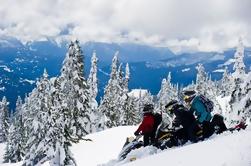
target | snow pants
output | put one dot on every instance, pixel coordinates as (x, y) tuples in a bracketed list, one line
[(208, 129), (149, 139)]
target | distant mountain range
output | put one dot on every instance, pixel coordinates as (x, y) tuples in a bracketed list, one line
[(21, 64)]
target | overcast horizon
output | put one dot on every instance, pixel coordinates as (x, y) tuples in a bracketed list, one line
[(182, 26)]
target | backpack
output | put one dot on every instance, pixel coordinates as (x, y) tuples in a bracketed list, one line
[(157, 120), (207, 103)]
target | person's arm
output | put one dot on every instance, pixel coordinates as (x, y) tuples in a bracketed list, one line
[(142, 126), (177, 120), (137, 132), (203, 116), (201, 111)]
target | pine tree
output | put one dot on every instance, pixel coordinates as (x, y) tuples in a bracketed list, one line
[(226, 83), (167, 93), (4, 120), (201, 79), (127, 78), (240, 102), (40, 122), (78, 98), (70, 117), (92, 79), (120, 76), (116, 104), (63, 116), (130, 114), (59, 135), (144, 98), (15, 143), (235, 113), (110, 104), (93, 86), (28, 113), (239, 66)]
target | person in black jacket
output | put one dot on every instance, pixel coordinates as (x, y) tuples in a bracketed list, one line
[(184, 118)]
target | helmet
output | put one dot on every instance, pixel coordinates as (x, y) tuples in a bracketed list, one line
[(186, 98), (189, 92), (189, 95), (170, 105), (148, 108)]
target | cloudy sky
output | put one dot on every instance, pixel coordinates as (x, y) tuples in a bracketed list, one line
[(182, 25)]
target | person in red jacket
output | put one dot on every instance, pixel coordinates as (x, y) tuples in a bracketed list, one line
[(147, 126)]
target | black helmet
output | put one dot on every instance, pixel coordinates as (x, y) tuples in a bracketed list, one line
[(189, 92), (189, 95), (171, 105), (148, 108)]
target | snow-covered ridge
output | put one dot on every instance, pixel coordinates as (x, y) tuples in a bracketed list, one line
[(27, 80), (185, 70), (6, 68)]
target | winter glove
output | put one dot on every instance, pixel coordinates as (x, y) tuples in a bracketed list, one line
[(136, 133), (200, 125)]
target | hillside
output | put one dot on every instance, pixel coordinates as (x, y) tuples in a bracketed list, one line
[(228, 149)]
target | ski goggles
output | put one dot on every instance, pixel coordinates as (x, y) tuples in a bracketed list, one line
[(186, 98), (170, 108)]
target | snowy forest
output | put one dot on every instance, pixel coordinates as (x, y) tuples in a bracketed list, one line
[(62, 110)]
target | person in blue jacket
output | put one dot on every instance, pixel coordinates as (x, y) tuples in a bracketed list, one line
[(199, 109)]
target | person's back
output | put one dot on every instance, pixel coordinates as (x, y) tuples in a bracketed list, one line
[(146, 127), (200, 110), (184, 118)]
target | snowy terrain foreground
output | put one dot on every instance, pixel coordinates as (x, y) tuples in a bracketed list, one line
[(229, 149)]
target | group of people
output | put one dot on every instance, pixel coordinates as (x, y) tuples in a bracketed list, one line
[(193, 116)]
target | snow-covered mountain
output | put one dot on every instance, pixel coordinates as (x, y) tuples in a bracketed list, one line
[(21, 64), (62, 111)]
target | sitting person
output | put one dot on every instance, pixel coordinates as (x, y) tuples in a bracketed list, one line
[(184, 118), (204, 116), (146, 128)]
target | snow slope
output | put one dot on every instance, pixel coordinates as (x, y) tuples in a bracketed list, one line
[(105, 146), (228, 149)]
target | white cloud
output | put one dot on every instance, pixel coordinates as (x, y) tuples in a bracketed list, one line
[(204, 25)]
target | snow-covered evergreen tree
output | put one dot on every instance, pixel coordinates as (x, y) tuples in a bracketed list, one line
[(130, 114), (15, 149), (167, 92), (226, 84), (64, 113), (59, 136), (4, 119), (78, 99), (93, 86), (120, 76), (144, 97), (240, 103), (201, 79), (211, 93), (239, 66), (235, 113), (40, 122), (127, 78), (92, 79), (110, 104), (116, 105)]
